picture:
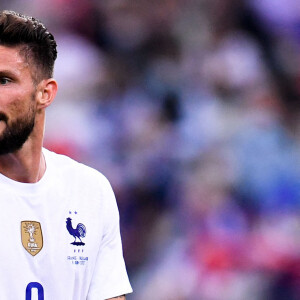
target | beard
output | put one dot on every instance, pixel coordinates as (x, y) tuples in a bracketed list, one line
[(17, 132)]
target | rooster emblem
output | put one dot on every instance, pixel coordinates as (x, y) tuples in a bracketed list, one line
[(78, 232)]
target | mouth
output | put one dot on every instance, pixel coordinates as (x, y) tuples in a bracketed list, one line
[(3, 117)]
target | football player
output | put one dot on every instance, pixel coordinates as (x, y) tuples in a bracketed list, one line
[(61, 237)]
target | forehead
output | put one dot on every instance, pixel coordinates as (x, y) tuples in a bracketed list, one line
[(12, 60)]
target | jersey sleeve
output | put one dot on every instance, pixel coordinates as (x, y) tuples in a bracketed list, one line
[(110, 277)]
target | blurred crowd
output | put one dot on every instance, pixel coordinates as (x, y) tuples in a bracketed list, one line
[(191, 110)]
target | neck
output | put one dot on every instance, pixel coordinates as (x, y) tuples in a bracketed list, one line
[(21, 168), (27, 164)]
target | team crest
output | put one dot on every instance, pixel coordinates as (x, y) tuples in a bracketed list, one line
[(78, 232), (32, 237)]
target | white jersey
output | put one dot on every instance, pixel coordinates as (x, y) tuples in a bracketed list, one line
[(60, 237)]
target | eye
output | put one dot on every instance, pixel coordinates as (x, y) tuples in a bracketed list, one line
[(4, 80)]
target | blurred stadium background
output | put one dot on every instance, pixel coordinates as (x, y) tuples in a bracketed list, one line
[(191, 109)]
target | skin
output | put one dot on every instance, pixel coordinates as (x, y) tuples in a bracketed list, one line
[(119, 298), (18, 96)]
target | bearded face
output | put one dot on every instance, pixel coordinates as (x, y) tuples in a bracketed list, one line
[(18, 99), (16, 131)]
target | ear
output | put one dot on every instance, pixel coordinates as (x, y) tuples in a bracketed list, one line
[(46, 92)]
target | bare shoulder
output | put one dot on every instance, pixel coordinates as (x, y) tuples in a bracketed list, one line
[(118, 298)]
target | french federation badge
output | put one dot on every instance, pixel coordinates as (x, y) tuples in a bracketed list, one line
[(78, 232), (32, 237)]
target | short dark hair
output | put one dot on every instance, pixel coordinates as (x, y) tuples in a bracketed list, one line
[(37, 44)]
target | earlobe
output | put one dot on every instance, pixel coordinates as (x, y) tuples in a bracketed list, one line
[(47, 93)]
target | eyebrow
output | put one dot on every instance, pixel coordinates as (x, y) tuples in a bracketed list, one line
[(8, 73)]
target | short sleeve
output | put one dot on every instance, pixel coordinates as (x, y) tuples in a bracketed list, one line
[(110, 277)]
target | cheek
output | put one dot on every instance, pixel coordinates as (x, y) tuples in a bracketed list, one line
[(19, 108), (15, 107)]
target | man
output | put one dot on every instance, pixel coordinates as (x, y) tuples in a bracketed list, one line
[(60, 235)]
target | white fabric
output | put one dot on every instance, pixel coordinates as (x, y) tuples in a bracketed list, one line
[(66, 271)]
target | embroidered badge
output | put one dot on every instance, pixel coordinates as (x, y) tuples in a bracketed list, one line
[(78, 232), (32, 237)]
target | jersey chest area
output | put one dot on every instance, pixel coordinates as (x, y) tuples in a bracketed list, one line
[(55, 246), (61, 237)]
